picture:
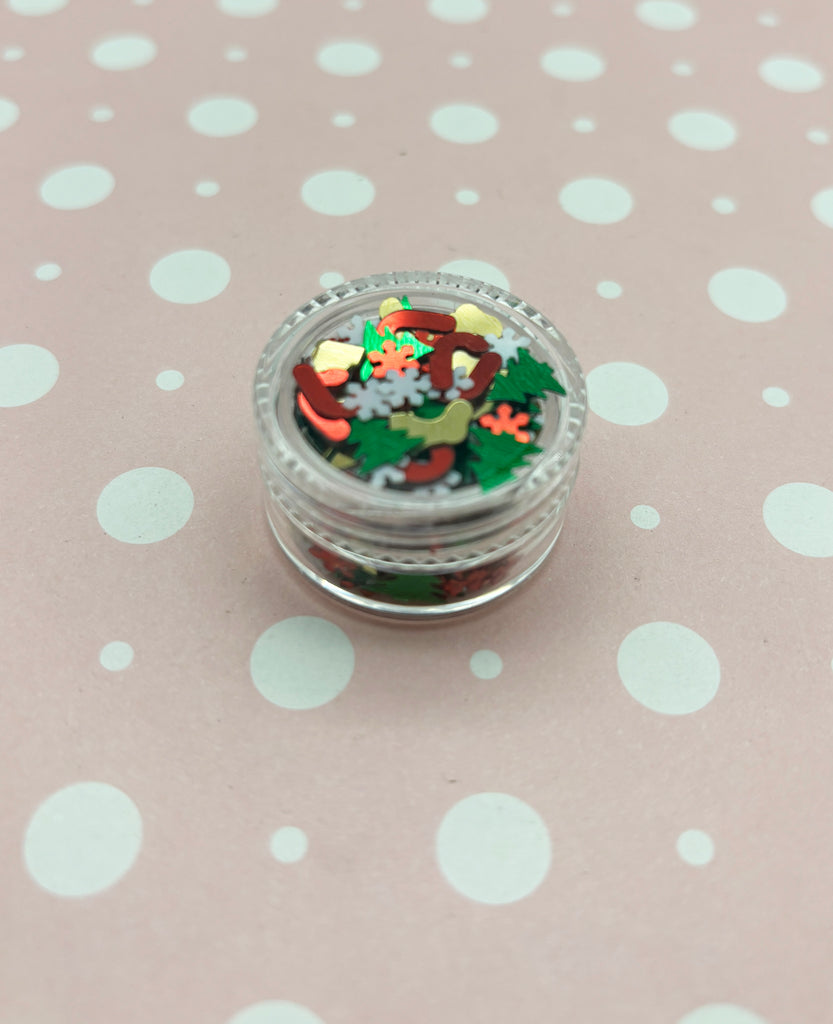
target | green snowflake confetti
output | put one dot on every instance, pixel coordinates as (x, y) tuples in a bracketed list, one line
[(526, 378)]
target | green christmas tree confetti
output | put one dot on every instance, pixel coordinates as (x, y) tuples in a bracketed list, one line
[(494, 457), (377, 444), (526, 378), (409, 589)]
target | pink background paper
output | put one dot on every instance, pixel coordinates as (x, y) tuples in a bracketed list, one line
[(489, 837)]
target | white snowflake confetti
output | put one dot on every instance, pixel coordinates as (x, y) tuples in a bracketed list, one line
[(445, 484), (507, 345), (462, 382), (352, 331), (410, 387), (385, 475), (368, 400)]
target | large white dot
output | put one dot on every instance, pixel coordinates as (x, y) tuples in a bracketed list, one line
[(818, 136), (626, 394), (645, 517), (302, 662), (721, 1013), (800, 516), (668, 15), (247, 8), (776, 397), (275, 1011), (36, 8), (48, 272), (190, 276), (747, 295), (668, 668), (82, 839), (791, 74), (486, 664), (338, 193), (493, 848), (464, 123), (289, 844), (572, 64), (9, 113), (348, 58), (596, 200), (13, 53), (695, 847), (702, 129), (822, 207), (27, 373), (480, 270), (123, 53), (220, 117), (76, 187), (458, 12), (116, 656), (145, 505)]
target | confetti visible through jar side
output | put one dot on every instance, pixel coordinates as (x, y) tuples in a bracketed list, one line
[(422, 401)]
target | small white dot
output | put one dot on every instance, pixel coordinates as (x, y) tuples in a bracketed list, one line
[(48, 272), (768, 19), (723, 204), (207, 189), (289, 844), (609, 289), (818, 136), (486, 664), (330, 278), (682, 68), (695, 847), (142, 3), (116, 656), (169, 380), (11, 53), (101, 113), (467, 196), (352, 5), (645, 517), (460, 60), (776, 397), (583, 125), (235, 54), (343, 120), (562, 10)]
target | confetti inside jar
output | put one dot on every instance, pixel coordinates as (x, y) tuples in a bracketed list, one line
[(419, 438)]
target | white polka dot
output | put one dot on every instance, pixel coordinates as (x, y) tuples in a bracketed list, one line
[(247, 8), (822, 207), (626, 394), (493, 848), (9, 113), (77, 187), (747, 295), (123, 53), (330, 278), (460, 60), (800, 516), (116, 656), (302, 662), (480, 270), (236, 54), (667, 15), (562, 10), (645, 517), (48, 272), (207, 189), (572, 64), (36, 8), (458, 12), (275, 1011), (464, 123), (190, 276), (348, 58), (82, 839), (776, 397), (221, 117), (289, 844), (596, 200), (343, 120), (818, 136), (486, 664), (791, 74), (338, 193), (701, 129), (721, 1013), (583, 125), (768, 19), (169, 380), (723, 204), (668, 668), (609, 289), (27, 373), (467, 196), (352, 5), (12, 53), (144, 506), (142, 3), (695, 847), (101, 114), (683, 68)]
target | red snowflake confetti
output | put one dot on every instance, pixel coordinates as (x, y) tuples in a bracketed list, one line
[(391, 358), (507, 423)]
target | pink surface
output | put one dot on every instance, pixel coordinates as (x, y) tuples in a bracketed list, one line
[(204, 921)]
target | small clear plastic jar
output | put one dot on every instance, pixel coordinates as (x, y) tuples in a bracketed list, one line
[(373, 539)]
